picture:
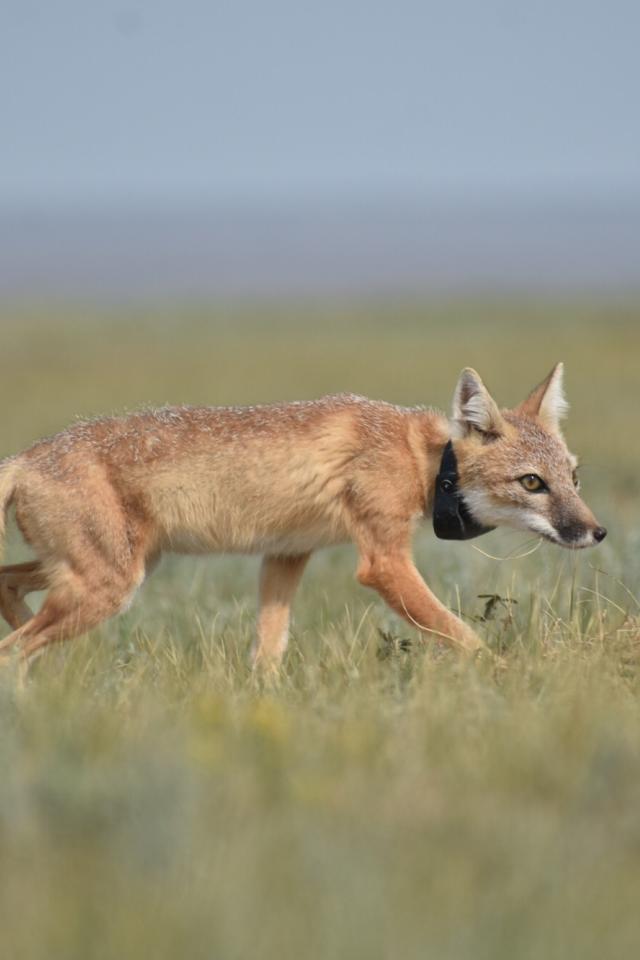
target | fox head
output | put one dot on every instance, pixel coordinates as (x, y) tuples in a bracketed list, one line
[(514, 466)]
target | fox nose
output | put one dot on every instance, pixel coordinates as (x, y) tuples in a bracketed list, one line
[(599, 534)]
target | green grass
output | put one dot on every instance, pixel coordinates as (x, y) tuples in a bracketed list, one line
[(158, 800)]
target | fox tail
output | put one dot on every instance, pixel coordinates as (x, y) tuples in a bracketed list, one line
[(8, 481)]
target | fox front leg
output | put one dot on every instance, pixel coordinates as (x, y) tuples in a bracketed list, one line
[(279, 578), (395, 577)]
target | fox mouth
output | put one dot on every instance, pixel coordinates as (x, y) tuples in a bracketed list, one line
[(571, 536), (580, 544), (589, 538)]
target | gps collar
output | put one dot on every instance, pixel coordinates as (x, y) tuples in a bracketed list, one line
[(451, 518)]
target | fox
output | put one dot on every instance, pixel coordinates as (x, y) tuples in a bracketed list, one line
[(101, 501)]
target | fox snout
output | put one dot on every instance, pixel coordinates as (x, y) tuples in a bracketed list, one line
[(573, 523), (578, 527), (563, 520), (576, 535)]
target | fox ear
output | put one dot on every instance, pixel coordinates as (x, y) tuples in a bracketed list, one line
[(473, 406), (547, 401)]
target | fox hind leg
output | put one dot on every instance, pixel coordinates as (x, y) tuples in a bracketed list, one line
[(16, 581), (70, 609)]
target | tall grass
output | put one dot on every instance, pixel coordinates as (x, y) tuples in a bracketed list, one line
[(381, 798)]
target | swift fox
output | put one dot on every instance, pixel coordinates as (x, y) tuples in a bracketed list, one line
[(101, 501)]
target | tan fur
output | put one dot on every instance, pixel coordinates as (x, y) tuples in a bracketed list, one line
[(100, 502)]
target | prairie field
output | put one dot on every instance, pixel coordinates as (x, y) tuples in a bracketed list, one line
[(381, 798)]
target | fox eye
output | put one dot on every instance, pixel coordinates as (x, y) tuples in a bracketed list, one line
[(576, 479), (533, 483)]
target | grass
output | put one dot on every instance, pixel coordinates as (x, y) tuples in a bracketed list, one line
[(381, 799)]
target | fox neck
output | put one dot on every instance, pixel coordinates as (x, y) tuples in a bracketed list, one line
[(451, 517), (433, 448)]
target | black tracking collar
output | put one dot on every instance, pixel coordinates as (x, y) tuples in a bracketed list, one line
[(451, 518)]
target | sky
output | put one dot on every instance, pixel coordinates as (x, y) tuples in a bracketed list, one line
[(183, 102)]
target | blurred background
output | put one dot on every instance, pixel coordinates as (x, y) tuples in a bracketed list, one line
[(161, 151)]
